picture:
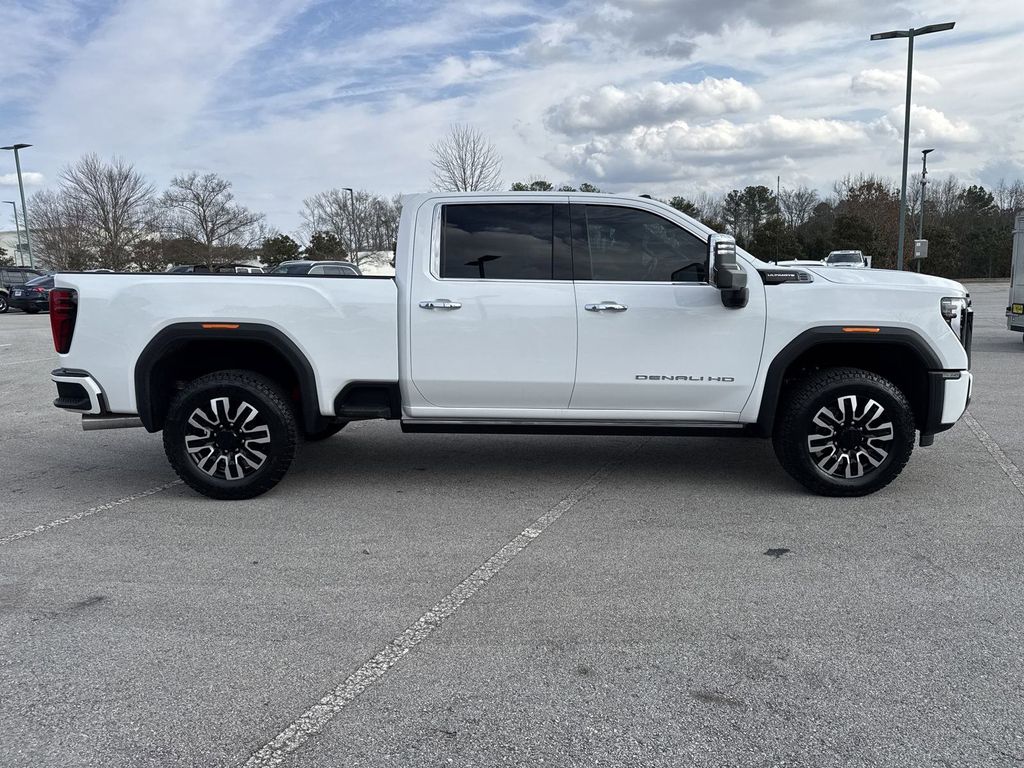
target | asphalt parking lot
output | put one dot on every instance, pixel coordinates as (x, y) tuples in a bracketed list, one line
[(670, 601)]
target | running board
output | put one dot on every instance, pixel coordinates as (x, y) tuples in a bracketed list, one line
[(110, 421), (557, 427)]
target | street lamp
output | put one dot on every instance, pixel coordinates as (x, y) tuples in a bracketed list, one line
[(910, 34), (924, 180), (17, 229), (24, 208), (352, 223)]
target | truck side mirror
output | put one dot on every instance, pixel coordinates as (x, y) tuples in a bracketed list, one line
[(728, 276)]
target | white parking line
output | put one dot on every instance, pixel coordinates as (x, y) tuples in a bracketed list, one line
[(1004, 461), (87, 513), (310, 722)]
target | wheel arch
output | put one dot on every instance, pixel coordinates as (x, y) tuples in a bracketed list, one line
[(899, 354), (184, 351)]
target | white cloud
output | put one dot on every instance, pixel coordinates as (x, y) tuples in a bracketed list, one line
[(664, 152), (454, 70), (889, 80), (610, 108), (927, 125), (31, 179)]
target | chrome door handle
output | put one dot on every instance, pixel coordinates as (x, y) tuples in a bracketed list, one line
[(441, 304), (606, 306)]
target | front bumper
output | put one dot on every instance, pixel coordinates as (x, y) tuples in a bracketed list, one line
[(78, 391)]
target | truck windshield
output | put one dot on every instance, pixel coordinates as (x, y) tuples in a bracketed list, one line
[(845, 258)]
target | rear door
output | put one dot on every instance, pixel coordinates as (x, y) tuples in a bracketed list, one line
[(493, 313), (653, 333)]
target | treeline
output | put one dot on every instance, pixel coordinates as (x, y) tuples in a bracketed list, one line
[(106, 214), (968, 228)]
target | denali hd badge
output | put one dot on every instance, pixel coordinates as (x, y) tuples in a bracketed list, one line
[(641, 377)]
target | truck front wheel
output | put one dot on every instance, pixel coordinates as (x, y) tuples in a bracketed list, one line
[(230, 434), (844, 432)]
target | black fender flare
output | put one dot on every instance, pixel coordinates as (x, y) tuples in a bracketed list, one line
[(161, 343), (832, 334)]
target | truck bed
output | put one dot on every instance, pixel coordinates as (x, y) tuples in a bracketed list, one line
[(347, 327)]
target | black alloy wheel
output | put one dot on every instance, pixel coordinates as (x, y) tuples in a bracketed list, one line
[(230, 434), (844, 432)]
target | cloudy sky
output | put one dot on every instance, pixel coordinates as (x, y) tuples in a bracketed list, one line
[(290, 97)]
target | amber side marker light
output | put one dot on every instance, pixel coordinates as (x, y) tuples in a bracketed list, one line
[(861, 330), (220, 326)]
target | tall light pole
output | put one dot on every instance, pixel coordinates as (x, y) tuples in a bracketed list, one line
[(924, 180), (910, 34), (352, 223), (24, 208), (17, 229)]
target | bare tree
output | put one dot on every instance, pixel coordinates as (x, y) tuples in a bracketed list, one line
[(797, 204), (60, 231), (202, 208), (465, 161), (115, 203), (371, 225)]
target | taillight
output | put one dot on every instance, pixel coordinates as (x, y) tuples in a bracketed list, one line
[(63, 313)]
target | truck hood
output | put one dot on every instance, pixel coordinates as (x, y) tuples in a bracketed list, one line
[(887, 277)]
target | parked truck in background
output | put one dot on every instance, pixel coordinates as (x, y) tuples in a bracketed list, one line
[(528, 313)]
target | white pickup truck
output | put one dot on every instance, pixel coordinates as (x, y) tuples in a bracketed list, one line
[(528, 313)]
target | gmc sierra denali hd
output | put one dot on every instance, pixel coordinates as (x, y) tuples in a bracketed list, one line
[(519, 312)]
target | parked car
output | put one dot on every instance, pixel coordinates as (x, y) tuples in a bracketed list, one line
[(335, 268), (10, 276), (238, 269), (534, 313), (848, 259), (33, 296)]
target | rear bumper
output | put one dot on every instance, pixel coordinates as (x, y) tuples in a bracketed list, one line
[(40, 305), (77, 391)]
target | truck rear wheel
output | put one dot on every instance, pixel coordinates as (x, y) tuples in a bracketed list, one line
[(4, 306), (230, 434), (844, 432)]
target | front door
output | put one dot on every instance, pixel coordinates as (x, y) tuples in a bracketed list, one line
[(493, 315), (653, 334)]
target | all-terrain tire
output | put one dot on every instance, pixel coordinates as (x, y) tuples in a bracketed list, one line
[(230, 434), (844, 432)]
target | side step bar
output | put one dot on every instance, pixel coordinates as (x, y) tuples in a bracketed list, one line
[(553, 427), (110, 421)]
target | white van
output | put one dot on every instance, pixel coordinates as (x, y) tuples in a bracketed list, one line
[(1015, 309)]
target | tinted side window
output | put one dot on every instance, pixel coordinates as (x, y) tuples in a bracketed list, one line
[(627, 244), (497, 241)]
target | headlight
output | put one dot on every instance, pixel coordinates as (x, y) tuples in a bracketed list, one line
[(954, 310)]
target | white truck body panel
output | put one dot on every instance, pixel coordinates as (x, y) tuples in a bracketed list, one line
[(348, 327)]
